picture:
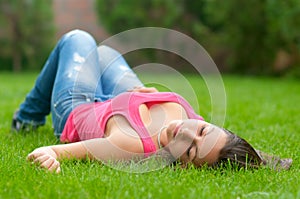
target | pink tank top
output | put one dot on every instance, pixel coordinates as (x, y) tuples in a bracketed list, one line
[(88, 121)]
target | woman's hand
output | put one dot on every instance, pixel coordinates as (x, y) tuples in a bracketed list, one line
[(143, 89), (45, 157)]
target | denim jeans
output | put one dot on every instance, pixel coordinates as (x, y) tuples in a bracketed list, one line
[(76, 72)]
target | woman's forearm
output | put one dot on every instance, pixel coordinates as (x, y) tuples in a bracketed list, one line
[(47, 157), (72, 150), (102, 149)]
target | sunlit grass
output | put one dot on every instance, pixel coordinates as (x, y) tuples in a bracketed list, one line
[(264, 111)]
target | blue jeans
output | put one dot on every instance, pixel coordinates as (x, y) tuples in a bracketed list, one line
[(76, 72)]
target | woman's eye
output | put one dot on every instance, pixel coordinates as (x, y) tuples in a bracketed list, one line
[(189, 150), (201, 131), (192, 153)]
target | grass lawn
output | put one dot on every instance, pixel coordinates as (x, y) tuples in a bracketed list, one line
[(265, 111)]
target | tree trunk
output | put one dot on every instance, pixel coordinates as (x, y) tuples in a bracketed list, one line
[(17, 45)]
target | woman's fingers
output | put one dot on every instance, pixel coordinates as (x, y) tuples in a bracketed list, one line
[(55, 167), (44, 160), (148, 90), (58, 169), (34, 155), (50, 163), (41, 159), (143, 89)]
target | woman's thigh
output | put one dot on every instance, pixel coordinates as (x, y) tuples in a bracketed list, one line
[(116, 75), (77, 78)]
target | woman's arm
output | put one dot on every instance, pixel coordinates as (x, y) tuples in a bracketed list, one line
[(103, 149), (48, 156)]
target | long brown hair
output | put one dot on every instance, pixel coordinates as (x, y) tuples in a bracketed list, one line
[(238, 151)]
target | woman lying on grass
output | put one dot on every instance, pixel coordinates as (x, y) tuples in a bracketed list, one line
[(119, 119)]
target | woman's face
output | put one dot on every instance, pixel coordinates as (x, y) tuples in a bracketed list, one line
[(194, 141)]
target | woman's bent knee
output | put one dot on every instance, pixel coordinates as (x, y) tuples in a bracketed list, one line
[(80, 36), (80, 33)]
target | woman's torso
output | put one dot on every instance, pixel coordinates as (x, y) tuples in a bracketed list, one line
[(153, 118), (134, 118)]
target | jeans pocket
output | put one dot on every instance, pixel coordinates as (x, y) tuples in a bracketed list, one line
[(63, 103)]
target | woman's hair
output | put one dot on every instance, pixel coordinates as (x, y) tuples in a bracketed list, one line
[(238, 151)]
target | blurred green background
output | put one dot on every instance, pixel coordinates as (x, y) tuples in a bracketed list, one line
[(257, 37)]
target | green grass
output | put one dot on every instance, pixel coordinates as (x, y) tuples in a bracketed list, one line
[(265, 111)]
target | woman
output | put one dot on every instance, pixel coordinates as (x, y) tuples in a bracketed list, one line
[(102, 110)]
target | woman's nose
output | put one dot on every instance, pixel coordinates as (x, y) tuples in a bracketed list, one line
[(188, 134)]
